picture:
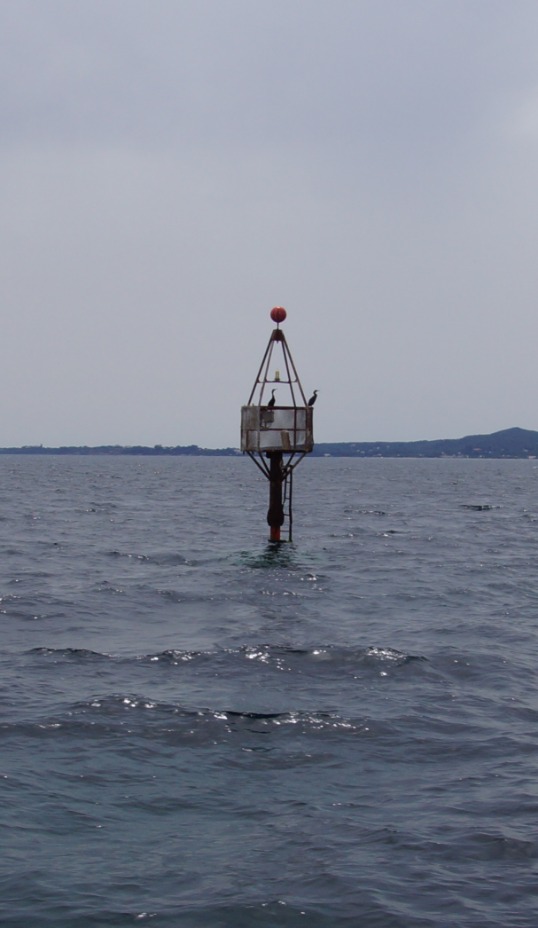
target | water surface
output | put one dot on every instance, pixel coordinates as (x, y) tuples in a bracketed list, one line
[(199, 729)]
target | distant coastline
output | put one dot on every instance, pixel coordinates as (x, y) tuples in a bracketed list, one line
[(508, 443)]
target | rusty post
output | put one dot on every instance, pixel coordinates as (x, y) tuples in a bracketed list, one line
[(275, 513)]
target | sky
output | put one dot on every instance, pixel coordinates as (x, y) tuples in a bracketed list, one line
[(170, 170)]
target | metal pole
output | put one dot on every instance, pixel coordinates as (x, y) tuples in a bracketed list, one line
[(290, 503), (275, 514)]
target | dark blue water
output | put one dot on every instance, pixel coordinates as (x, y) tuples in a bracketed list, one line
[(200, 730)]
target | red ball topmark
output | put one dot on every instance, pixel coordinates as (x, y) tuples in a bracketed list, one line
[(278, 314)]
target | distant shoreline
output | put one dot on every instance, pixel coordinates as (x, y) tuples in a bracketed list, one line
[(508, 443)]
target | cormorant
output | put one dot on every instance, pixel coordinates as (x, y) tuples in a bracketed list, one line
[(313, 398), (272, 401)]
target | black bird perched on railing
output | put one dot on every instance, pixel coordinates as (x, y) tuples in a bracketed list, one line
[(272, 401), (313, 398)]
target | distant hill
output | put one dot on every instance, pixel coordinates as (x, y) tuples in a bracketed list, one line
[(509, 443)]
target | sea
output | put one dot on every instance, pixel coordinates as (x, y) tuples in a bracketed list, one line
[(202, 729)]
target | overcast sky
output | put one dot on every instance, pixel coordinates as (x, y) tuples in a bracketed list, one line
[(172, 169)]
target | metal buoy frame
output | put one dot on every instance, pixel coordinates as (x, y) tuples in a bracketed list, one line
[(275, 435)]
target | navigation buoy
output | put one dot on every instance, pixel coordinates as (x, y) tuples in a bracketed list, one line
[(278, 314), (276, 434)]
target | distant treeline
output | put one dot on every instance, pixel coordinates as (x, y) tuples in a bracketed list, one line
[(122, 450), (509, 443)]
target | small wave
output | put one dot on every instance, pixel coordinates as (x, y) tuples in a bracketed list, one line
[(141, 716), (175, 657), (279, 657), (74, 654), (391, 654), (479, 507), (304, 721), (326, 657), (284, 913), (29, 608), (486, 846), (162, 559), (365, 512), (171, 596), (321, 660)]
